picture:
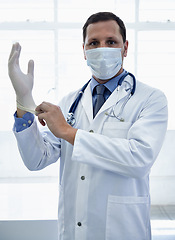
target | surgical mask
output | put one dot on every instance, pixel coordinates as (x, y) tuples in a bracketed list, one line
[(104, 62)]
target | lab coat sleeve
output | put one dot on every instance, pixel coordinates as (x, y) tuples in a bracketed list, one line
[(133, 156), (38, 149)]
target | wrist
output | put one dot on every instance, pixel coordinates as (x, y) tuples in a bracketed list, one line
[(69, 134), (20, 113), (26, 104)]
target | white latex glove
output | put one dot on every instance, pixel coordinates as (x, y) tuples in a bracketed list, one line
[(22, 83)]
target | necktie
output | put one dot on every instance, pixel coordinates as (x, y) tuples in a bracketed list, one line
[(100, 98)]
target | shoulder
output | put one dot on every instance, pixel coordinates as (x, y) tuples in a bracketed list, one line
[(68, 100), (150, 93), (147, 89)]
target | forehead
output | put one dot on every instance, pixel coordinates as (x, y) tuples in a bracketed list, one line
[(103, 28)]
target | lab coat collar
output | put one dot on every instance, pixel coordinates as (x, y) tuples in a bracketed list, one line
[(114, 98), (86, 101)]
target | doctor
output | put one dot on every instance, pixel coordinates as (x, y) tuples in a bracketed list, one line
[(106, 157)]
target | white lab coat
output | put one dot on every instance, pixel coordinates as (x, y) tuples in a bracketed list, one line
[(104, 177)]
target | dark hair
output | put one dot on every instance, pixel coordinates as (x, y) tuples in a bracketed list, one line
[(104, 16)]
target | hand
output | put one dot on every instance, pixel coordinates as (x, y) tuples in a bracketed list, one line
[(22, 83), (52, 115)]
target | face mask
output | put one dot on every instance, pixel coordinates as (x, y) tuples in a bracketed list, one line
[(104, 62)]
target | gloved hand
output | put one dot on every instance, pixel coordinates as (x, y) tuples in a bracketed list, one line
[(22, 83)]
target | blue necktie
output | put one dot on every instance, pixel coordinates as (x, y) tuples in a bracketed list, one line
[(100, 98)]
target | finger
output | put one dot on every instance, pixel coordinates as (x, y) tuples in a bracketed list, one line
[(14, 55), (43, 107), (12, 51), (38, 110), (41, 121), (18, 48), (15, 47), (31, 67), (13, 58)]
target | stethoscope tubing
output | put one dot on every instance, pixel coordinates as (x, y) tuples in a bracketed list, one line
[(70, 117), (134, 81), (77, 100)]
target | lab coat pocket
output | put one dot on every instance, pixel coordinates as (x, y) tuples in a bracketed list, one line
[(116, 129), (127, 218)]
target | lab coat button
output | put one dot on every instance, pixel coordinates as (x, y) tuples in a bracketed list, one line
[(24, 125), (91, 131), (29, 121), (82, 177), (79, 224)]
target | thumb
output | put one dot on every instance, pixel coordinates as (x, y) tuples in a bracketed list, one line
[(31, 67)]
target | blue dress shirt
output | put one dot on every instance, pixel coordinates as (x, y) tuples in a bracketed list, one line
[(110, 86), (24, 122)]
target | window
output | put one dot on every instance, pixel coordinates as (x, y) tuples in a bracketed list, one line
[(156, 11)]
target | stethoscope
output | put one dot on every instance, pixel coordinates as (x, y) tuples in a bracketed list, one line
[(70, 117)]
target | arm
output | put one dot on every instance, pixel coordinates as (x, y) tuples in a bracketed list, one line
[(34, 147), (40, 149)]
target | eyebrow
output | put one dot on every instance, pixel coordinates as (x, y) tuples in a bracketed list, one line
[(114, 37), (92, 39), (110, 37), (95, 39)]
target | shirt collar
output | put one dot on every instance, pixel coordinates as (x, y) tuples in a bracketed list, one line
[(110, 85)]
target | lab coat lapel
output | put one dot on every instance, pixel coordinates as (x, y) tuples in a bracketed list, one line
[(86, 102), (115, 97)]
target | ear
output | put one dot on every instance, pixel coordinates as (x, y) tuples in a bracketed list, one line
[(125, 48), (84, 51)]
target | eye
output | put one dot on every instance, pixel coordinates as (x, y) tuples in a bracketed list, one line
[(93, 43), (111, 42)]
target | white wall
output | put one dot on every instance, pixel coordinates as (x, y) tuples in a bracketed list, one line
[(162, 178), (28, 230)]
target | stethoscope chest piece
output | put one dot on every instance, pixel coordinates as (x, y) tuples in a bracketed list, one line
[(71, 119)]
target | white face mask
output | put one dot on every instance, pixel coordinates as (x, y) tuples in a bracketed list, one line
[(104, 62)]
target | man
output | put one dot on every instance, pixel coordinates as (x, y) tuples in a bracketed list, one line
[(106, 156)]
